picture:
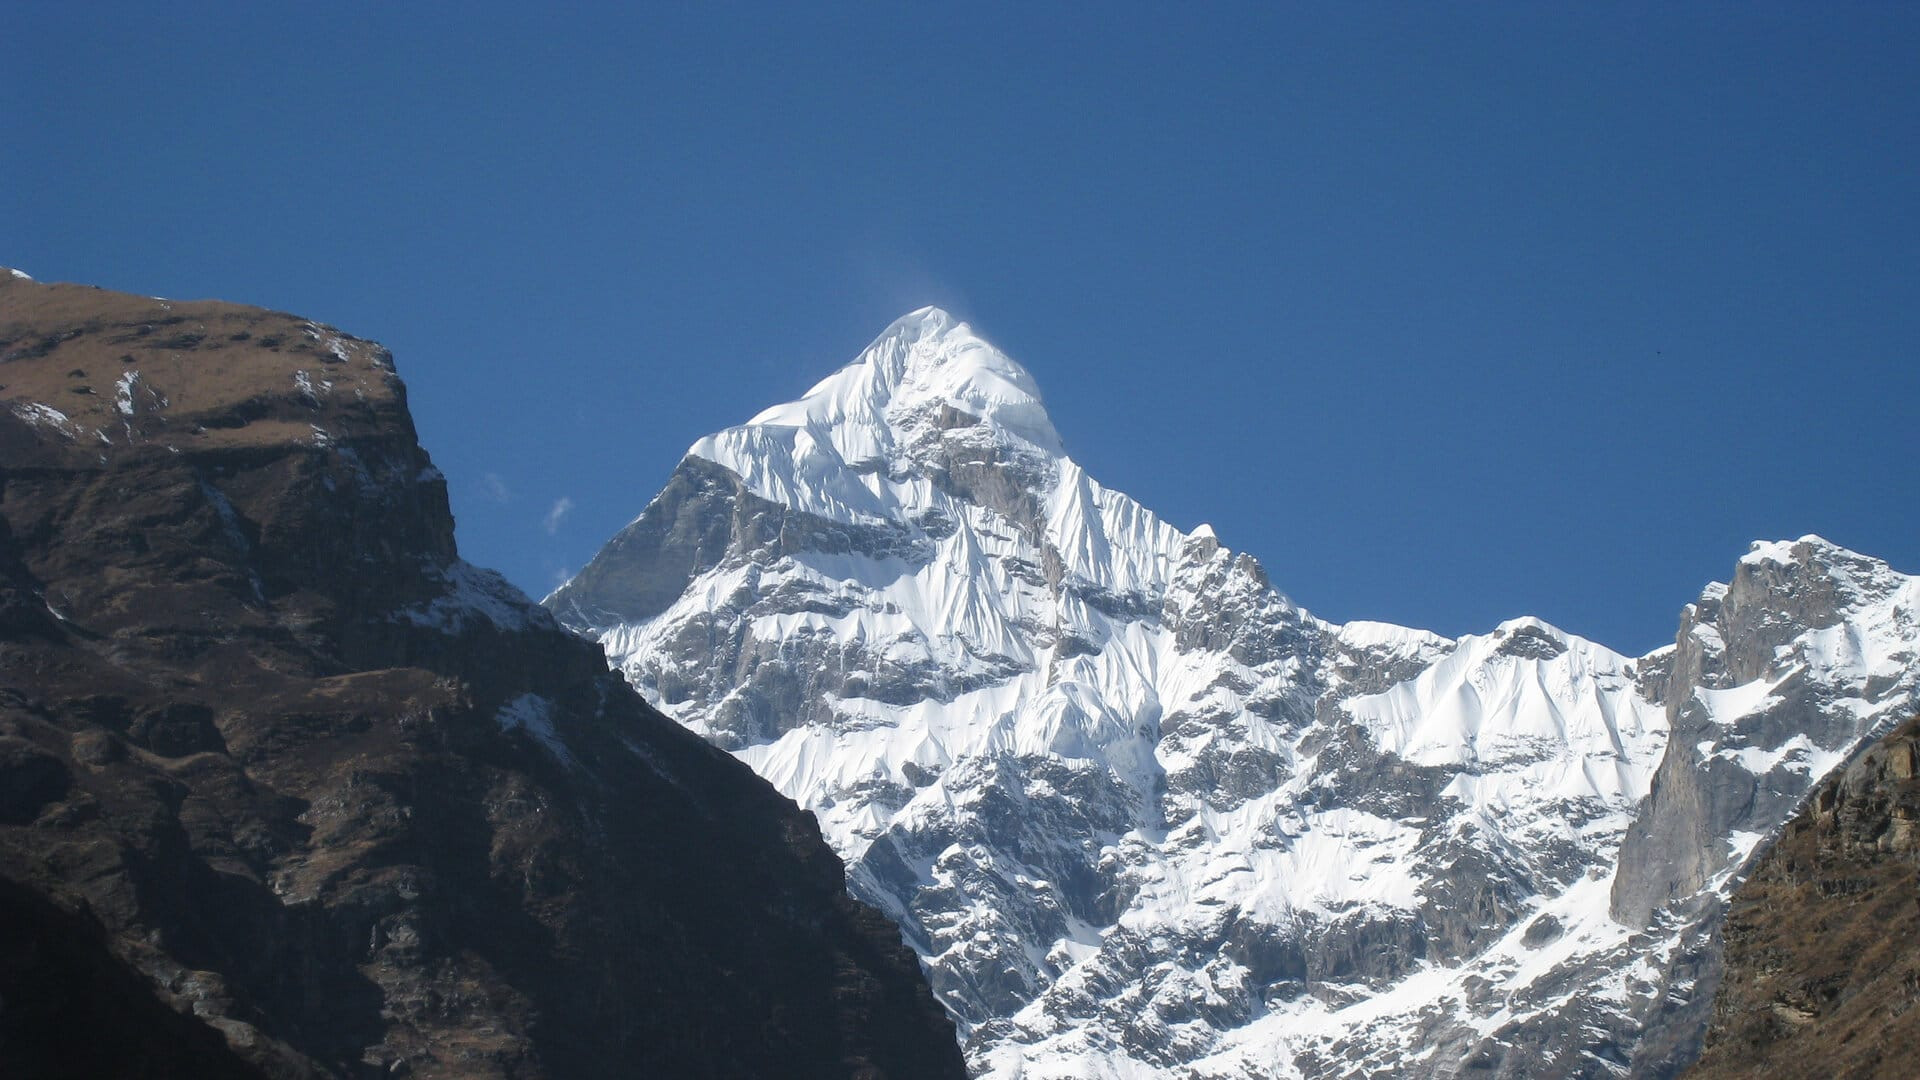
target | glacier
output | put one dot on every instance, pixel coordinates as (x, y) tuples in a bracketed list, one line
[(1141, 815)]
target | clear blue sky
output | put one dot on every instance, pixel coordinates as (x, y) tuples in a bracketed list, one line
[(1447, 316)]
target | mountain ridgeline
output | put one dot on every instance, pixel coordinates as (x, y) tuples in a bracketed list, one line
[(288, 789), (1140, 815)]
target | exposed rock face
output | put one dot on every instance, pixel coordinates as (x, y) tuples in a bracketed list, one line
[(1141, 815), (1823, 939), (316, 798), (1774, 680), (69, 1008), (1754, 634)]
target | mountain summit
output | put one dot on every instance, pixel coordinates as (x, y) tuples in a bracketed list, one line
[(1140, 815), (835, 451), (925, 370)]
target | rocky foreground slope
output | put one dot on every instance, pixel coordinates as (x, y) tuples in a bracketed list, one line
[(288, 789), (1143, 816), (1823, 939)]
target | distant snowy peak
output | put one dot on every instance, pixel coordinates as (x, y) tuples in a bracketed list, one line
[(927, 365), (925, 375), (1143, 816), (1785, 605), (1846, 579), (1504, 695)]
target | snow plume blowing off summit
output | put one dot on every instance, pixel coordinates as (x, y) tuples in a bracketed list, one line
[(1142, 816)]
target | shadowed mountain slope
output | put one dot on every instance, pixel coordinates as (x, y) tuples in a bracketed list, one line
[(280, 771)]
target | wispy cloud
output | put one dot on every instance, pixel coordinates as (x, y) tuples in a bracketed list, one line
[(495, 488), (554, 516)]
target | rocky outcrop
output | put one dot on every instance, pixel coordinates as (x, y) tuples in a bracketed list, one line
[(286, 788), (1822, 974), (1732, 637), (1774, 679)]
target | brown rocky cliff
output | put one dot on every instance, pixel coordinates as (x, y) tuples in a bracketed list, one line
[(1823, 939), (274, 758)]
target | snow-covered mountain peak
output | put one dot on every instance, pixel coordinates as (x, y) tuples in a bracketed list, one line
[(930, 324), (1787, 551), (1846, 578), (926, 374), (934, 361), (1143, 816)]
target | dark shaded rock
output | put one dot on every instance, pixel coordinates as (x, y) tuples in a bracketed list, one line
[(300, 793), (1822, 941), (1542, 931), (71, 1010), (176, 730), (30, 778)]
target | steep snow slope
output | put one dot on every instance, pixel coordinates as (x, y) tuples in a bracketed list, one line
[(1142, 815)]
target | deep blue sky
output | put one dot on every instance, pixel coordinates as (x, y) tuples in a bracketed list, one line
[(1447, 316)]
